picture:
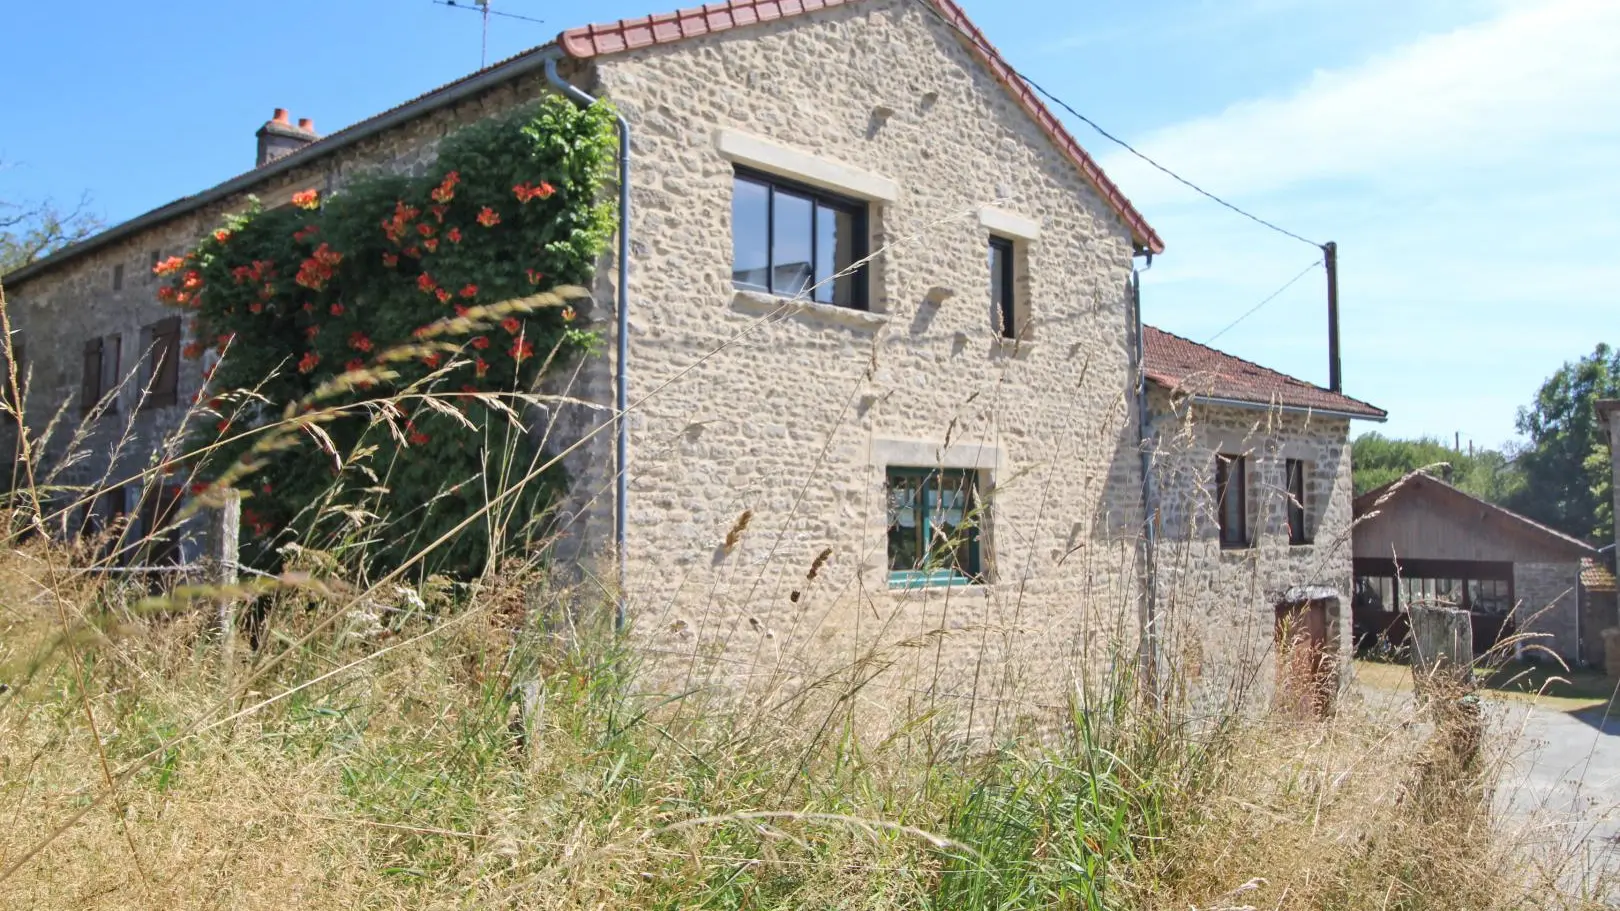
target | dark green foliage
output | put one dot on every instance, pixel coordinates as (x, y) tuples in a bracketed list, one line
[(1489, 474), (297, 295), (1567, 473)]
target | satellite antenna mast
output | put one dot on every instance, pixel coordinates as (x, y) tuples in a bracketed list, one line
[(483, 50)]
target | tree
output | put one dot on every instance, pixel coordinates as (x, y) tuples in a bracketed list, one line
[(1489, 474), (1568, 482), (32, 230)]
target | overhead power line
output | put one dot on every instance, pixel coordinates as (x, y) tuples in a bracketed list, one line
[(1269, 298), (977, 42)]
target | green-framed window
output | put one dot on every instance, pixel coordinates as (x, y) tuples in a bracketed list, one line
[(935, 518)]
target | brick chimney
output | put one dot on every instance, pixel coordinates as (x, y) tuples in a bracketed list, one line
[(278, 137)]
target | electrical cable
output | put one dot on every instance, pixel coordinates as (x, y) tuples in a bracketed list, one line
[(983, 45), (1271, 297)]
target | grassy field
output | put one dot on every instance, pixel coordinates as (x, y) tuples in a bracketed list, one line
[(396, 762)]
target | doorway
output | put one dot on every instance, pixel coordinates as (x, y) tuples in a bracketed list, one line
[(1307, 668)]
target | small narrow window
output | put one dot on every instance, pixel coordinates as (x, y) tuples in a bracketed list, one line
[(118, 277), (90, 376), (1232, 500), (934, 522), (1003, 293), (1298, 511), (797, 241), (162, 373), (160, 539), (151, 267)]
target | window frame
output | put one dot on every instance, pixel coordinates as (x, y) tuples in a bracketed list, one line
[(1299, 513), (858, 209), (162, 356), (977, 572), (1232, 538), (1006, 283)]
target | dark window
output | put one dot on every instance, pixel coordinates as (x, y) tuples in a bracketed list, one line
[(934, 527), (118, 277), (100, 372), (1232, 500), (151, 269), (1003, 295), (160, 541), (1298, 533), (162, 375), (793, 240)]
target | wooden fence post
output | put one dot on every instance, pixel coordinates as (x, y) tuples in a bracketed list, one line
[(224, 534), (1442, 644)]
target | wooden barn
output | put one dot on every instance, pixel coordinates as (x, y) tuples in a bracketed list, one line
[(1420, 540)]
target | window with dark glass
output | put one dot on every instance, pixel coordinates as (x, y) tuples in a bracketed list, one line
[(162, 369), (1298, 533), (118, 277), (1232, 500), (1003, 295), (934, 522), (795, 241), (100, 373)]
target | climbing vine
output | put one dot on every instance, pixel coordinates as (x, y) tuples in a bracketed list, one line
[(284, 300)]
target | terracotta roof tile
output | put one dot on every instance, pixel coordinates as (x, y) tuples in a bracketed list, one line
[(668, 28), (1596, 575), (1183, 365)]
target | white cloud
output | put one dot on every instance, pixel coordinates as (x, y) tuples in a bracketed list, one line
[(1513, 89)]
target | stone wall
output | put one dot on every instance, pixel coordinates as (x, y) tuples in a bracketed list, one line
[(56, 312), (791, 415), (1217, 605), (1547, 595)]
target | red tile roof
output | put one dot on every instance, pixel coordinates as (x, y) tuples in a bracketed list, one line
[(711, 18), (1596, 575), (1183, 365)]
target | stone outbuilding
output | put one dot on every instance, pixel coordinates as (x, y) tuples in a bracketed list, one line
[(1419, 540)]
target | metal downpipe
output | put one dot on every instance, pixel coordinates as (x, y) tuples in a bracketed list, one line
[(621, 491)]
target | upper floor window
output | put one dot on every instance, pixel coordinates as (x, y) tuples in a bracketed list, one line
[(1298, 507), (793, 240), (162, 373), (1232, 499), (1003, 287), (934, 519), (100, 375), (118, 277)]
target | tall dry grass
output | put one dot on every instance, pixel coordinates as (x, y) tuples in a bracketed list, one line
[(401, 739)]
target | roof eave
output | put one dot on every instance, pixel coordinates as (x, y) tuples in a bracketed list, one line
[(1375, 415), (327, 145)]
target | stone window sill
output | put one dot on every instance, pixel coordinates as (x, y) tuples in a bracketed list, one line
[(760, 303), (1012, 347)]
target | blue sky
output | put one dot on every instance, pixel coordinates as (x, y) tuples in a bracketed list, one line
[(1463, 153)]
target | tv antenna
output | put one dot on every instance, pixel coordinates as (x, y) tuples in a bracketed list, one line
[(483, 8)]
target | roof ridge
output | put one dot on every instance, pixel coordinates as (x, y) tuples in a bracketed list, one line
[(629, 34), (1421, 474)]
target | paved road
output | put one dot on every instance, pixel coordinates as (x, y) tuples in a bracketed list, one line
[(1564, 784)]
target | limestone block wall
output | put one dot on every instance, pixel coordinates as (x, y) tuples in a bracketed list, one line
[(1547, 595), (1217, 604), (790, 415)]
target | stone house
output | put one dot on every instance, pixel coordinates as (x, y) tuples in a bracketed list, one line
[(1421, 540), (872, 308)]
